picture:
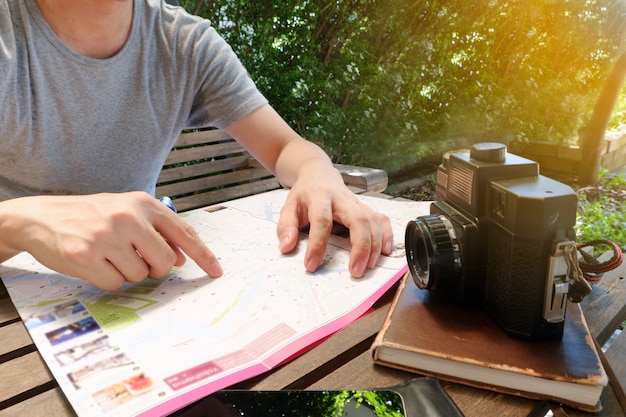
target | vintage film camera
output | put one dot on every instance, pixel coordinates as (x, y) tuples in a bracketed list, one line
[(500, 236)]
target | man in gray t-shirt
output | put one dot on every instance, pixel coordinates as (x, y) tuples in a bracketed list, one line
[(94, 94)]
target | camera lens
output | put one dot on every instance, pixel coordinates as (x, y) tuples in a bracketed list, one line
[(433, 252)]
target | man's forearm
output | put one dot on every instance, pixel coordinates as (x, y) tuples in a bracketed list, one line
[(9, 228)]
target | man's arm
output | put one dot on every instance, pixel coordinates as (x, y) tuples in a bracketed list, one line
[(318, 195)]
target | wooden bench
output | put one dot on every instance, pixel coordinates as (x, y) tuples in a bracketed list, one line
[(208, 166)]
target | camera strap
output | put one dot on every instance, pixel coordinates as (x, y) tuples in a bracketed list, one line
[(593, 269), (579, 287), (564, 281)]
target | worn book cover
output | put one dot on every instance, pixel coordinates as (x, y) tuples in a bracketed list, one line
[(430, 334)]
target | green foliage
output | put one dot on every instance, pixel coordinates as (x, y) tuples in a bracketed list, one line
[(383, 403), (602, 212), (311, 403), (391, 83)]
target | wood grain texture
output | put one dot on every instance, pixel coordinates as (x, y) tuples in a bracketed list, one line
[(615, 357), (23, 374), (51, 403), (14, 336), (8, 312), (605, 307)]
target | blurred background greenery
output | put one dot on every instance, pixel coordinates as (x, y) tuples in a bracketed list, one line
[(395, 83)]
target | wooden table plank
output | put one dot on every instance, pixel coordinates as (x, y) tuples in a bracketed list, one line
[(51, 403), (477, 402), (3, 290), (14, 337), (615, 357), (362, 373), (7, 311), (610, 406), (605, 307), (22, 374)]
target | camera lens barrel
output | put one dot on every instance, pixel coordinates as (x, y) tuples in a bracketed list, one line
[(433, 252)]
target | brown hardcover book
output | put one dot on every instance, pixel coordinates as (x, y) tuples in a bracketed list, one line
[(429, 334)]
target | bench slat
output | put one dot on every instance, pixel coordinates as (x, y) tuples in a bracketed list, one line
[(208, 136), (208, 167), (208, 183), (203, 168), (225, 194), (204, 152)]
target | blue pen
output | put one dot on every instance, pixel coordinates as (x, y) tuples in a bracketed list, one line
[(168, 203)]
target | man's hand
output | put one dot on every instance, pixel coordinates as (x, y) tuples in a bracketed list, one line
[(106, 239), (318, 195), (318, 202)]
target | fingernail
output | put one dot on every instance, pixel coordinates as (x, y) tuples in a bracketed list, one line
[(359, 269), (312, 265), (216, 270), (387, 248)]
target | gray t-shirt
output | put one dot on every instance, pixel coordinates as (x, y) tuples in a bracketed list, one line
[(70, 124)]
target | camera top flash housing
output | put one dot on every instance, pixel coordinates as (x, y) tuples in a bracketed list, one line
[(462, 176)]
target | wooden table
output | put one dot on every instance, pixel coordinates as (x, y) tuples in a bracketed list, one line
[(340, 362)]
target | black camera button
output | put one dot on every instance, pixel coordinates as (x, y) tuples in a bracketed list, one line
[(488, 152)]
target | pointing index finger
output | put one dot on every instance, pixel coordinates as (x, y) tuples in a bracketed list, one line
[(179, 233)]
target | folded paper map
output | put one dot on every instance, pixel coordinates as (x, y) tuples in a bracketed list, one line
[(153, 347)]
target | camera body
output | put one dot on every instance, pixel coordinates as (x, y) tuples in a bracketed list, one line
[(495, 239)]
